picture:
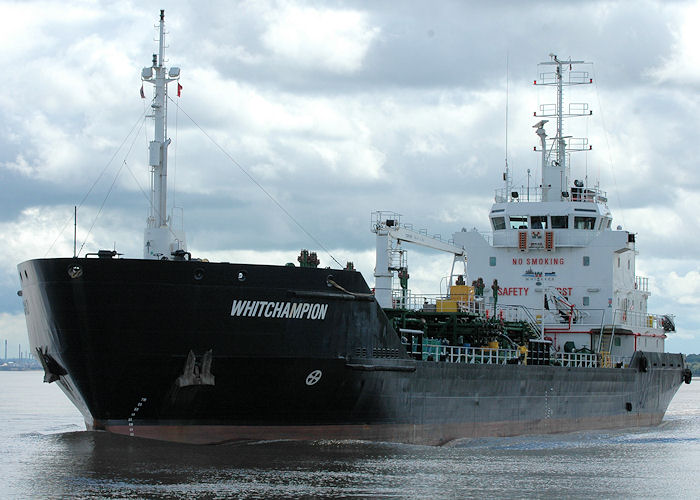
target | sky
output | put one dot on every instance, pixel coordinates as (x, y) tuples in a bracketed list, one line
[(339, 109)]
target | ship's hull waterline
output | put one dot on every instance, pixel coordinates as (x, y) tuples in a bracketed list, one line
[(202, 352)]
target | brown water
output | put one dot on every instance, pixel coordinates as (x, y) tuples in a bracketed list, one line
[(45, 453)]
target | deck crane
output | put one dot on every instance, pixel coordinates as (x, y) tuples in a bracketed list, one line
[(390, 234)]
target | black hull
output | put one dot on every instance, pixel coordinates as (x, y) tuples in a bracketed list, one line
[(117, 337)]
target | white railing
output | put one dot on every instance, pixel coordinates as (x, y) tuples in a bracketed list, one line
[(433, 303), (641, 283), (457, 354), (379, 218), (479, 305), (588, 193), (582, 360), (486, 355), (644, 320), (503, 195), (414, 302)]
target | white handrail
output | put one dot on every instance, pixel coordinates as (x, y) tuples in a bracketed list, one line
[(487, 355)]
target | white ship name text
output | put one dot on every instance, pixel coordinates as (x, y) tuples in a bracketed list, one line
[(272, 309)]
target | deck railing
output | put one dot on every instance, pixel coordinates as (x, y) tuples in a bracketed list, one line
[(644, 320), (486, 355), (484, 306)]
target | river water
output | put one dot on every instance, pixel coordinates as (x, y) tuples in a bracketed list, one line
[(45, 453)]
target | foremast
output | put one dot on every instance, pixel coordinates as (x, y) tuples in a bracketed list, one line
[(161, 240)]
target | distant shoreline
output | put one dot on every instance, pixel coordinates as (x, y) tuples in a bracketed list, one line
[(19, 365)]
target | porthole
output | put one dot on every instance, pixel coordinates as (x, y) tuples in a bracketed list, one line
[(75, 271), (242, 275), (198, 273)]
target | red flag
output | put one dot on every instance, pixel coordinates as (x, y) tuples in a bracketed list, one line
[(143, 96), (179, 89)]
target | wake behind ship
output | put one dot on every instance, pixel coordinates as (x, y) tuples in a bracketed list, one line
[(176, 348)]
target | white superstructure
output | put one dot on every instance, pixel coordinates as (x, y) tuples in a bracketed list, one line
[(553, 250), (161, 240), (558, 263)]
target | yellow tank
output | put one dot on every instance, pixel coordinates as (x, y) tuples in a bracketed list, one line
[(458, 294), (461, 292), (445, 305), (493, 345)]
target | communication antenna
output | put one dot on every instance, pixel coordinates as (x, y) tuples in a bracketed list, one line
[(506, 175)]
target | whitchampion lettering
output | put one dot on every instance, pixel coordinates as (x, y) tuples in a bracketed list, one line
[(278, 309), (237, 309), (249, 307), (270, 309)]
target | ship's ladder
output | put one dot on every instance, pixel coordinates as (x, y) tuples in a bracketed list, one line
[(605, 342), (517, 312), (531, 320)]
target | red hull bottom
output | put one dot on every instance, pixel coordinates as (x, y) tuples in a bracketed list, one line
[(400, 433)]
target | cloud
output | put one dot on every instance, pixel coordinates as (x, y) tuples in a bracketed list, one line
[(684, 289), (317, 38), (682, 65)]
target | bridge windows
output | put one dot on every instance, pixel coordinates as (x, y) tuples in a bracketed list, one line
[(518, 221), (498, 223), (560, 221), (549, 222), (584, 222), (538, 221)]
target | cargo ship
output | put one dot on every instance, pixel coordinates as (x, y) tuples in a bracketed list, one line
[(177, 348)]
